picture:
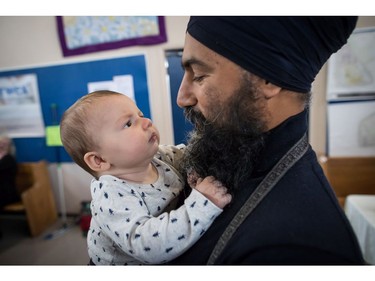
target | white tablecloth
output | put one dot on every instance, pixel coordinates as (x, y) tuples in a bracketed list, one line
[(360, 210)]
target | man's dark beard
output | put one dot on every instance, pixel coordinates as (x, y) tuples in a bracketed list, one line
[(227, 148)]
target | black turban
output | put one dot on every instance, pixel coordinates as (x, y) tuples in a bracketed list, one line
[(286, 51)]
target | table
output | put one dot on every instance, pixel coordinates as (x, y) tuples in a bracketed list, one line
[(360, 210)]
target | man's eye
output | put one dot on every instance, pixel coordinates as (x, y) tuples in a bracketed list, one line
[(198, 78)]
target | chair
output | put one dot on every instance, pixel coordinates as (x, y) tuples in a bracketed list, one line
[(34, 184), (349, 175)]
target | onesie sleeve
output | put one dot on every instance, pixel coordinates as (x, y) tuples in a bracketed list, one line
[(171, 234), (155, 240), (171, 154)]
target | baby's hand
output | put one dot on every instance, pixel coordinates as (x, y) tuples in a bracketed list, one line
[(214, 191)]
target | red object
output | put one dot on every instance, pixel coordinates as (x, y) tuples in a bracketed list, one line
[(85, 223)]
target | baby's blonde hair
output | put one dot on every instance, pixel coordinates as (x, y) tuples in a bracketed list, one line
[(75, 135)]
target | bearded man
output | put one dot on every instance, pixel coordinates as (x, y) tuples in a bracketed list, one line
[(246, 88)]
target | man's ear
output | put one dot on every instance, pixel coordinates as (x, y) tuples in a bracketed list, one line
[(95, 162), (270, 90)]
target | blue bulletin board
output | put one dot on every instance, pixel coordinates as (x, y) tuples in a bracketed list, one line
[(181, 126), (61, 85)]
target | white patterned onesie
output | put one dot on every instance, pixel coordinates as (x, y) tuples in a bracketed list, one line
[(130, 224)]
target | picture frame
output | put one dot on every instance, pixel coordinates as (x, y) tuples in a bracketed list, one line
[(86, 34)]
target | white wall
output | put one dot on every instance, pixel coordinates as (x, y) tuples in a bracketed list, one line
[(30, 41)]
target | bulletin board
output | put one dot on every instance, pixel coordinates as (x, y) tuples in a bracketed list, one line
[(61, 85), (181, 126)]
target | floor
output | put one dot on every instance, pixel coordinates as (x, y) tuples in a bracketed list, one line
[(61, 244)]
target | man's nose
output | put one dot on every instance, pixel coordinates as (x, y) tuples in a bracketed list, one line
[(185, 96)]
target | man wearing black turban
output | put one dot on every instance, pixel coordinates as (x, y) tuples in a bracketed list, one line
[(246, 89)]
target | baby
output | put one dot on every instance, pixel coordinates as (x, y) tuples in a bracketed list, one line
[(136, 184)]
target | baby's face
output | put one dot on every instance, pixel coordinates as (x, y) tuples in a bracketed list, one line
[(124, 136)]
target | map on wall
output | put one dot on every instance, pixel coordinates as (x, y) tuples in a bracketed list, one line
[(351, 71)]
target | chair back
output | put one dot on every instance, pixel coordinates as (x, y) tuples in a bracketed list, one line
[(349, 175)]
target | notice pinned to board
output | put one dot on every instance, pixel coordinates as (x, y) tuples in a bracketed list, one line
[(53, 136), (20, 110), (122, 84)]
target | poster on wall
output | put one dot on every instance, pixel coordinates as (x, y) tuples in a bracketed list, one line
[(351, 71), (20, 110), (86, 34)]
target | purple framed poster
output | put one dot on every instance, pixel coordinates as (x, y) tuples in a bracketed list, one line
[(86, 34)]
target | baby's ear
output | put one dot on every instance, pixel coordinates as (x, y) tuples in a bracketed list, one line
[(95, 162)]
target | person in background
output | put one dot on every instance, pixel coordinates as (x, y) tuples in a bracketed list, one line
[(8, 173), (246, 88), (136, 184)]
